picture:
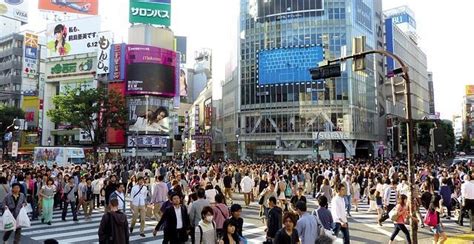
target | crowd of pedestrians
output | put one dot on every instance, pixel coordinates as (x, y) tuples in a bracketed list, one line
[(195, 200)]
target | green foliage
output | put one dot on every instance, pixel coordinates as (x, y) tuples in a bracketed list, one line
[(92, 110), (7, 115), (423, 137), (447, 126)]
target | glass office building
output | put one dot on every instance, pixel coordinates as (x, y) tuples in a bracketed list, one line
[(283, 111)]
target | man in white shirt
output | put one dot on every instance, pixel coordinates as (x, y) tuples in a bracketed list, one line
[(467, 195), (96, 187), (160, 196), (139, 194), (339, 214), (246, 184)]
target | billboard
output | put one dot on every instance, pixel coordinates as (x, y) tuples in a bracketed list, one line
[(278, 9), (103, 53), (90, 7), (208, 113), (15, 9), (117, 62), (30, 56), (150, 71), (181, 46), (469, 90), (148, 114), (150, 12), (70, 68), (73, 37), (287, 65)]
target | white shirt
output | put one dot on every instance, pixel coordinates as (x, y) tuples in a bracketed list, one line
[(139, 197), (246, 184), (121, 200), (467, 190), (211, 195), (179, 218), (338, 209)]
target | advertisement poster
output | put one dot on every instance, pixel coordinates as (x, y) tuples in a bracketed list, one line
[(150, 71), (103, 53), (30, 57), (73, 37), (90, 7), (15, 9), (150, 12), (148, 114)]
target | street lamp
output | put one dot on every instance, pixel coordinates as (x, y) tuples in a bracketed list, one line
[(238, 145), (49, 141)]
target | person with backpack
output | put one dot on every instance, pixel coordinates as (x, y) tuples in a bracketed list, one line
[(113, 226), (175, 220), (400, 215), (205, 232)]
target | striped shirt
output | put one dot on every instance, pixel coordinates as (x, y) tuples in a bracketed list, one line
[(390, 196)]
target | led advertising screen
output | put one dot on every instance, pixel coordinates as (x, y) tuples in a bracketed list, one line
[(287, 65), (148, 114), (151, 71), (279, 9)]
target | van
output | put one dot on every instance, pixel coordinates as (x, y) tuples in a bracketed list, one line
[(61, 156)]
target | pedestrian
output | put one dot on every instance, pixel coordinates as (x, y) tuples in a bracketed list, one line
[(307, 225), (288, 234), (326, 190), (438, 230), (113, 226), (229, 235), (390, 200), (109, 188), (247, 184), (211, 193), (69, 198), (159, 197), (14, 201), (47, 194), (348, 197), (238, 179), (205, 232), (139, 194), (236, 219), (355, 189), (274, 222), (96, 186), (401, 211), (119, 194), (325, 216), (339, 215), (264, 196), (228, 186), (4, 190), (177, 222), (297, 197), (221, 213), (467, 196), (87, 199), (445, 192)]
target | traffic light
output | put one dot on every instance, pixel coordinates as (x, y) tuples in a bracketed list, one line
[(398, 89), (358, 46)]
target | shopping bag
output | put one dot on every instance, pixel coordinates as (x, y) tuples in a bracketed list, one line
[(29, 209), (23, 221), (393, 214), (8, 221)]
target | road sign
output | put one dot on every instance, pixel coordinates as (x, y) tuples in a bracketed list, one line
[(327, 71), (15, 149)]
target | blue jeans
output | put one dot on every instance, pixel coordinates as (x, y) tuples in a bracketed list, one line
[(348, 201), (345, 232)]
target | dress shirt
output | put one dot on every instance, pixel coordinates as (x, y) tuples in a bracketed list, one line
[(467, 190), (139, 197), (246, 184), (338, 210), (306, 227), (179, 217), (160, 193)]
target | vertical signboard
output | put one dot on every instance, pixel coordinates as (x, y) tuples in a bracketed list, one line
[(117, 62), (196, 120), (103, 53), (15, 149), (30, 56)]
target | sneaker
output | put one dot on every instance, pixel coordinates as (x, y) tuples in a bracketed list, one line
[(49, 223), (142, 235), (131, 230), (63, 219), (155, 232), (42, 221)]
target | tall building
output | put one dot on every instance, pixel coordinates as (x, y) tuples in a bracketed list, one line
[(283, 112), (468, 116), (11, 55), (401, 39), (431, 91)]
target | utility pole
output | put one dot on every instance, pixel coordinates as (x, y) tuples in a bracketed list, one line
[(331, 70)]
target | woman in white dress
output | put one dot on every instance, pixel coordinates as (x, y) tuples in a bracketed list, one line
[(356, 193)]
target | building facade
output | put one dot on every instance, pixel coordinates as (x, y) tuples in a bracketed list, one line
[(11, 55), (283, 112), (431, 91)]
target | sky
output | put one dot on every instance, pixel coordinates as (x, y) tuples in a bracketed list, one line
[(446, 36)]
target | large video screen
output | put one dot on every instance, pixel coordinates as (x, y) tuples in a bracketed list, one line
[(272, 8), (287, 65)]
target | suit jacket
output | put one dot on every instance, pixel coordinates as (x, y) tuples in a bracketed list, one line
[(169, 217)]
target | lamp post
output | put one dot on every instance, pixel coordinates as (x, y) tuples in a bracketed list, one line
[(238, 145), (49, 141)]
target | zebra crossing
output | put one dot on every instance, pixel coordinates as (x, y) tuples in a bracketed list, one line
[(85, 231)]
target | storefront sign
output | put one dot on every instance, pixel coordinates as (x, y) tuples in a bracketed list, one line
[(147, 141), (70, 68), (103, 53), (30, 57), (336, 135)]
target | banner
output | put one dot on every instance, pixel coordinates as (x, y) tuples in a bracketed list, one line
[(30, 57), (150, 12), (73, 37), (150, 71), (15, 9), (70, 68), (148, 114), (103, 53), (147, 141), (90, 7)]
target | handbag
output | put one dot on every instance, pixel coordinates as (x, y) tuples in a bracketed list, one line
[(323, 231), (431, 218), (261, 200), (393, 214)]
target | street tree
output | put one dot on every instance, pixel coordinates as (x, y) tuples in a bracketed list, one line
[(92, 110), (7, 115)]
